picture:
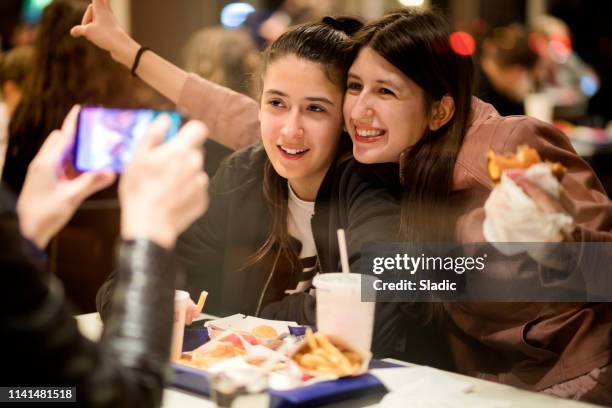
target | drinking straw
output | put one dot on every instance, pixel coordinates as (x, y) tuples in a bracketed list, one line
[(343, 251)]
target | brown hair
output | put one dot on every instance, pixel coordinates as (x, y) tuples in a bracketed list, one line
[(329, 44), (226, 57), (14, 65), (509, 46)]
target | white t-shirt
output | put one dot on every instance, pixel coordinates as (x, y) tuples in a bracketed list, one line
[(299, 215)]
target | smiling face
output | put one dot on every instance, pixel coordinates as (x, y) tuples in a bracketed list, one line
[(301, 122), (384, 110)]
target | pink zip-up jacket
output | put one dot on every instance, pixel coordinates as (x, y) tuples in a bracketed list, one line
[(232, 118)]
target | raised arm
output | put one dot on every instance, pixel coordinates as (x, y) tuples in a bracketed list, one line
[(231, 117)]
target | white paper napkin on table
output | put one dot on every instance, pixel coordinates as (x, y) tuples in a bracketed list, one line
[(425, 387)]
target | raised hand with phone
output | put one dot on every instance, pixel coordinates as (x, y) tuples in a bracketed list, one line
[(161, 191), (106, 138)]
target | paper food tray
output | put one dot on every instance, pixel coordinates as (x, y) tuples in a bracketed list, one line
[(326, 392)]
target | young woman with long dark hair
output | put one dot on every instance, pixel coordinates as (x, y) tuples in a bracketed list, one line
[(409, 102)]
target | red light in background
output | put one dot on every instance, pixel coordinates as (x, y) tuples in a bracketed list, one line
[(462, 43), (564, 40), (538, 43)]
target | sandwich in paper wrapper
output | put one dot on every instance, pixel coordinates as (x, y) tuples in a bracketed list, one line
[(511, 216)]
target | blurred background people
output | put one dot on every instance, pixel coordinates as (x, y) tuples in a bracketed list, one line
[(506, 69), (228, 58), (591, 39), (14, 65), (565, 78), (17, 26)]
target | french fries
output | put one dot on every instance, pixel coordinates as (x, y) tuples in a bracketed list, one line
[(201, 301), (319, 356)]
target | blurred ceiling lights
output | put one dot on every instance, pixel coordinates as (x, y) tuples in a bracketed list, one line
[(234, 14), (412, 3)]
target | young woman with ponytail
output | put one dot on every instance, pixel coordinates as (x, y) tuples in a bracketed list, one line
[(275, 206)]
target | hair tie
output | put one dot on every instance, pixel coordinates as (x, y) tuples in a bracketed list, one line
[(332, 22), (347, 25)]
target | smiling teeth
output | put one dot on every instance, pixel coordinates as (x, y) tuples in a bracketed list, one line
[(292, 151), (369, 133)]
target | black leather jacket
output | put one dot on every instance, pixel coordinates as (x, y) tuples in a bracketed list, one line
[(41, 344)]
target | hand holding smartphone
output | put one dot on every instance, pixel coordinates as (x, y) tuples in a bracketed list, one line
[(106, 138)]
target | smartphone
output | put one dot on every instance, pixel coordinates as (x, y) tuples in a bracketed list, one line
[(106, 138)]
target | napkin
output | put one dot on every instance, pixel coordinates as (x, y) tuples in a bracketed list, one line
[(425, 387), (512, 216)]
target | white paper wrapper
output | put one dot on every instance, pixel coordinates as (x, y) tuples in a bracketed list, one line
[(512, 216), (240, 322)]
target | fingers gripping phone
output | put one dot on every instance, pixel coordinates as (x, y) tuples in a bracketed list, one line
[(106, 138)]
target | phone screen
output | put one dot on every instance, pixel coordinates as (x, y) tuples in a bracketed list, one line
[(107, 138)]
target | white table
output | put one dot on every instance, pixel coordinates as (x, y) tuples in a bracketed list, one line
[(91, 327)]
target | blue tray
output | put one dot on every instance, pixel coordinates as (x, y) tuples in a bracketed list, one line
[(195, 380)]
